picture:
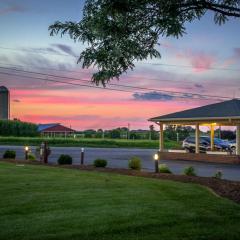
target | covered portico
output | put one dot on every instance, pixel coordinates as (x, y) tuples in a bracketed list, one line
[(219, 114)]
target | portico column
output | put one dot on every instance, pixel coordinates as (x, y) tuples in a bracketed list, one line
[(212, 137), (238, 140), (161, 141), (197, 138)]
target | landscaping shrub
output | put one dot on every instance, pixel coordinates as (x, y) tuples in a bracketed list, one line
[(218, 175), (65, 160), (31, 157), (189, 171), (9, 154), (135, 163), (163, 168), (100, 163)]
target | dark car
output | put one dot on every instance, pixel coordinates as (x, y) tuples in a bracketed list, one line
[(233, 146), (205, 144)]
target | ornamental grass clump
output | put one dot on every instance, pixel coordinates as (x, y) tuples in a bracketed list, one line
[(31, 157), (163, 168), (218, 174), (189, 171), (135, 163)]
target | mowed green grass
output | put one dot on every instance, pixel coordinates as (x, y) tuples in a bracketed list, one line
[(88, 142), (39, 202)]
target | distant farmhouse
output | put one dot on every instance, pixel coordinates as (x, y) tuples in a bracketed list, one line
[(55, 130)]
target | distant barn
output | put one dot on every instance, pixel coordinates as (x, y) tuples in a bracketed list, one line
[(55, 130)]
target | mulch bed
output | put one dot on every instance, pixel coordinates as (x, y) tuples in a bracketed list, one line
[(224, 188)]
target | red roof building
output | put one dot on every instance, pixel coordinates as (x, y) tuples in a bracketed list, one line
[(55, 130)]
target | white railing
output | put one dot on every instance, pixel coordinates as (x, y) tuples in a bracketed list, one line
[(177, 151)]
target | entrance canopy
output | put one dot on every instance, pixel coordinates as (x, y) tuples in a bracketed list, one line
[(224, 113), (219, 114)]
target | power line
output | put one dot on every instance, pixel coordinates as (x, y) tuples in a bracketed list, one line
[(84, 85), (129, 77), (187, 66), (72, 71), (172, 94), (69, 83), (128, 86), (121, 85)]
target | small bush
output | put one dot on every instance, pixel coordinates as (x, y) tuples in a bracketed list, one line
[(135, 163), (9, 154), (100, 163), (189, 171), (218, 175), (65, 160), (163, 168), (31, 157)]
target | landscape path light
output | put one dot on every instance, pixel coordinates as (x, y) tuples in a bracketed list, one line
[(26, 152), (82, 156), (156, 160)]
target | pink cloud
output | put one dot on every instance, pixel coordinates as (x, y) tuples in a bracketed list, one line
[(199, 61), (11, 9), (202, 62)]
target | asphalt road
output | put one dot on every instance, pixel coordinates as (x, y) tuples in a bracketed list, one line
[(119, 157)]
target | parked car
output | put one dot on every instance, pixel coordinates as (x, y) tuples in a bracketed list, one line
[(232, 145), (205, 144)]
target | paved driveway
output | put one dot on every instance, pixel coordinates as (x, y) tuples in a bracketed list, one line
[(118, 158)]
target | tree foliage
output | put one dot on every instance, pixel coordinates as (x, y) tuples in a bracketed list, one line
[(171, 132), (17, 129), (120, 32)]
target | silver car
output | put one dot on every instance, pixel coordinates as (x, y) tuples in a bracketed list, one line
[(205, 144)]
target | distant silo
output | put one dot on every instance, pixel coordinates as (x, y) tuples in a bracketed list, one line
[(4, 103)]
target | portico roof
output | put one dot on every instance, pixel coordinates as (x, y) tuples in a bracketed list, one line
[(223, 112)]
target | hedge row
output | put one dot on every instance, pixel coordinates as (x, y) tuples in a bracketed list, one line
[(36, 141)]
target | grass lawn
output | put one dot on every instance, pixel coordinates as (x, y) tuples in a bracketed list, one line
[(38, 202), (88, 142)]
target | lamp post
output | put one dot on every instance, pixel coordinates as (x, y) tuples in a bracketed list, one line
[(156, 159), (26, 152), (82, 156), (46, 152)]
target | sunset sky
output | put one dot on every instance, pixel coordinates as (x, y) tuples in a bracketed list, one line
[(206, 60)]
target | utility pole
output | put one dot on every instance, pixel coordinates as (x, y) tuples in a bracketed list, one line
[(128, 135)]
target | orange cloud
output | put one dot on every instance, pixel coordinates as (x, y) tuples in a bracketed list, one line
[(84, 110)]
